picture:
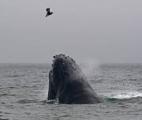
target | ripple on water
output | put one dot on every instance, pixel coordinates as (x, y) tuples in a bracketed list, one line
[(26, 101), (4, 119)]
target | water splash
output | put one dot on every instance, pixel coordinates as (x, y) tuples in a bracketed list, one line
[(44, 93), (126, 95)]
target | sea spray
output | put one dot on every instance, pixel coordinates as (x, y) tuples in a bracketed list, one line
[(44, 92), (89, 67)]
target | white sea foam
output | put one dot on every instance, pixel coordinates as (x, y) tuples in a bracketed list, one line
[(126, 95)]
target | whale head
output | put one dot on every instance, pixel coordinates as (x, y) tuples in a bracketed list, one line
[(64, 69)]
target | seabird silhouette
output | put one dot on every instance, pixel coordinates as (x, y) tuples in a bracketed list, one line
[(48, 12)]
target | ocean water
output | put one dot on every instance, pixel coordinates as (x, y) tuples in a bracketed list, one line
[(24, 87)]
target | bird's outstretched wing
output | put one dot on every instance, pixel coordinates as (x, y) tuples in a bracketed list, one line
[(48, 12)]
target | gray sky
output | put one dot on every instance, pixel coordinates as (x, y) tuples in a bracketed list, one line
[(103, 30)]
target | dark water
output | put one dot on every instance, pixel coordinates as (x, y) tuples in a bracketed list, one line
[(23, 87)]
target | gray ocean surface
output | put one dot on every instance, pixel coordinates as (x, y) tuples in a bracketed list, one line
[(24, 87)]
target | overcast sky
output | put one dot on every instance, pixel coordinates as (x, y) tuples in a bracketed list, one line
[(103, 30)]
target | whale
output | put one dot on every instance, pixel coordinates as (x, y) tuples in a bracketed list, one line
[(68, 84)]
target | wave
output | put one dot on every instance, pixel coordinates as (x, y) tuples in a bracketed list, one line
[(131, 97), (126, 95), (27, 101)]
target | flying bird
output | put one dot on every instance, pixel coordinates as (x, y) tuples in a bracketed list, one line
[(48, 12)]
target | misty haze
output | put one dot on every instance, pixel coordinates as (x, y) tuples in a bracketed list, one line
[(106, 31)]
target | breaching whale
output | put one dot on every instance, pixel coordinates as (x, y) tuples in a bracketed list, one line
[(68, 84)]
